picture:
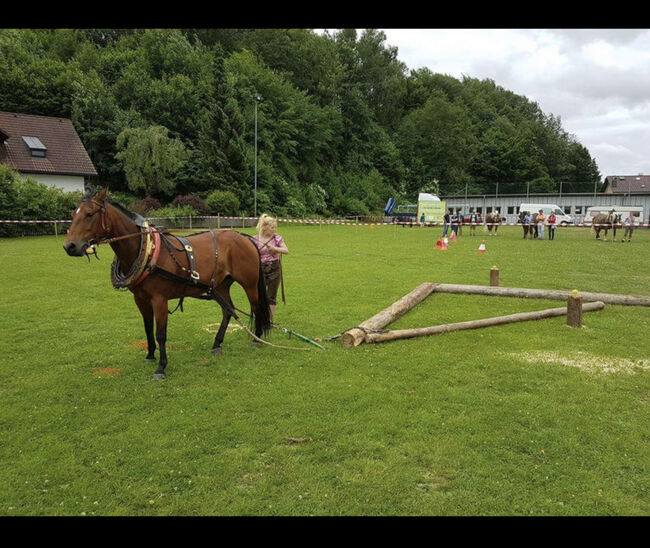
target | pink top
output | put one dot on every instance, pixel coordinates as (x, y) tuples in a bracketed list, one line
[(265, 253)]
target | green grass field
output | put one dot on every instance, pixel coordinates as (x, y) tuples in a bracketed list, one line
[(534, 418)]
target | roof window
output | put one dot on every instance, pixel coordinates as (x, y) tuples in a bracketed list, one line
[(36, 148)]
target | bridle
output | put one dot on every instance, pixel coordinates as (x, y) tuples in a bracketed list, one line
[(106, 239)]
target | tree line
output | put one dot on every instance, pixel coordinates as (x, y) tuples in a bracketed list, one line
[(342, 124)]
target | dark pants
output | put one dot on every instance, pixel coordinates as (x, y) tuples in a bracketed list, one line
[(551, 232), (273, 275)]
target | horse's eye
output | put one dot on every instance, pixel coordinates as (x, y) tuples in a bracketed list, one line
[(90, 214)]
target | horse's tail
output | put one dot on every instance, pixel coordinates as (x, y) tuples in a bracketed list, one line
[(263, 312)]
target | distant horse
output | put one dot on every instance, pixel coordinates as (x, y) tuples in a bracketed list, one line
[(150, 265), (492, 221), (533, 225), (605, 221)]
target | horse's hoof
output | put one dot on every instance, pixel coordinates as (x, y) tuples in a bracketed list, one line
[(216, 351), (147, 359), (256, 344), (158, 376)]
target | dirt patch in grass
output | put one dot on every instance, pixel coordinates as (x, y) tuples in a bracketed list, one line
[(600, 365), (107, 372)]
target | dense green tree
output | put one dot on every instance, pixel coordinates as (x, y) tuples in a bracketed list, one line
[(151, 159), (343, 124)]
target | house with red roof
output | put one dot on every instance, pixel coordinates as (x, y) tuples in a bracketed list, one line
[(46, 149), (627, 184)]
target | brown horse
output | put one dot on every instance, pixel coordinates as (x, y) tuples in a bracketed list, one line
[(492, 221), (149, 264), (605, 221)]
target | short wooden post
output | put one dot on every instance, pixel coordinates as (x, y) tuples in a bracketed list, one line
[(574, 310), (494, 276), (56, 234)]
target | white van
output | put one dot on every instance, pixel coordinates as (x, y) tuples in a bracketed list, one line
[(623, 211), (561, 217)]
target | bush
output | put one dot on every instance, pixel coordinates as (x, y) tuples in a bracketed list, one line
[(223, 202), (172, 212), (26, 199), (143, 207), (195, 202)]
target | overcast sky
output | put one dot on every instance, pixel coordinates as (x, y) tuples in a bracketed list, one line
[(597, 81)]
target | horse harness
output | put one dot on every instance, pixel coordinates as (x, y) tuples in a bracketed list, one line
[(152, 240)]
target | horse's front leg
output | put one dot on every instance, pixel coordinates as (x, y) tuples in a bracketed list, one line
[(161, 313), (144, 305)]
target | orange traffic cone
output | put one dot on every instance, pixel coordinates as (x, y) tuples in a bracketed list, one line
[(439, 244), (453, 236), (481, 248)]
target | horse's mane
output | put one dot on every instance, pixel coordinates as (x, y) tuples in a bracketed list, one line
[(135, 217)]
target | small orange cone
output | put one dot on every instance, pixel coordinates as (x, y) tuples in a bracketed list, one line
[(481, 248), (439, 243), (453, 236)]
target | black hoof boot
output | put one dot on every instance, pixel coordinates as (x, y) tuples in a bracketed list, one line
[(150, 359)]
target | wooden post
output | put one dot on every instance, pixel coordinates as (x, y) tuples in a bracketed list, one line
[(574, 310), (355, 336), (218, 221), (494, 276), (475, 324), (56, 234)]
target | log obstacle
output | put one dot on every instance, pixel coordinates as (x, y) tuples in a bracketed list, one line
[(476, 324), (355, 336), (550, 294), (370, 331)]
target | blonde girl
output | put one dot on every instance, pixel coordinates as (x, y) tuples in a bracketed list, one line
[(271, 246)]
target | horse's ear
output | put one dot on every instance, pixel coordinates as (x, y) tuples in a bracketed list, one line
[(101, 195)]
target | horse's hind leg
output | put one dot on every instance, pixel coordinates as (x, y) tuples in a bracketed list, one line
[(161, 313), (223, 294)]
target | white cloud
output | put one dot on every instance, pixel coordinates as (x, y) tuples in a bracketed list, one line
[(595, 80)]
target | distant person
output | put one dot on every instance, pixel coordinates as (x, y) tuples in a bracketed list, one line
[(454, 224), (540, 224), (461, 219), (422, 220), (551, 226), (473, 221), (446, 222), (628, 223)]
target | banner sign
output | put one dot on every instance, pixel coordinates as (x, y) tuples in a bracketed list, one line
[(431, 207)]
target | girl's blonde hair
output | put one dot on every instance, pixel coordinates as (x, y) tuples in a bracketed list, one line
[(263, 222)]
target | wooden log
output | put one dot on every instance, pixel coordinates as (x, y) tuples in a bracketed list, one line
[(355, 336), (475, 324), (550, 294), (574, 310)]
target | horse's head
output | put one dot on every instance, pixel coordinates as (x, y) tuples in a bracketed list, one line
[(88, 224)]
